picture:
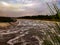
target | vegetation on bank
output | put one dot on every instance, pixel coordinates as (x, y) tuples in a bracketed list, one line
[(42, 17), (39, 17)]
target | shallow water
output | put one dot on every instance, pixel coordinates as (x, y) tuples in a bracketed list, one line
[(31, 32)]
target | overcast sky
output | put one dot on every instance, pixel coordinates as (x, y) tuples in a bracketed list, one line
[(32, 7), (28, 1)]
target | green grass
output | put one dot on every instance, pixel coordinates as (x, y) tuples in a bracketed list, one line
[(47, 42)]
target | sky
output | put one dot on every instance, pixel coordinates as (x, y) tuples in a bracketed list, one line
[(58, 4), (29, 7), (29, 1)]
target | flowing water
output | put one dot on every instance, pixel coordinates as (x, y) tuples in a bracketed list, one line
[(31, 32)]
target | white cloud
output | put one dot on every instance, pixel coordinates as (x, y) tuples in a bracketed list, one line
[(48, 0), (4, 3)]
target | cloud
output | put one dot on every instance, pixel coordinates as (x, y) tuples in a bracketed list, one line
[(39, 8)]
